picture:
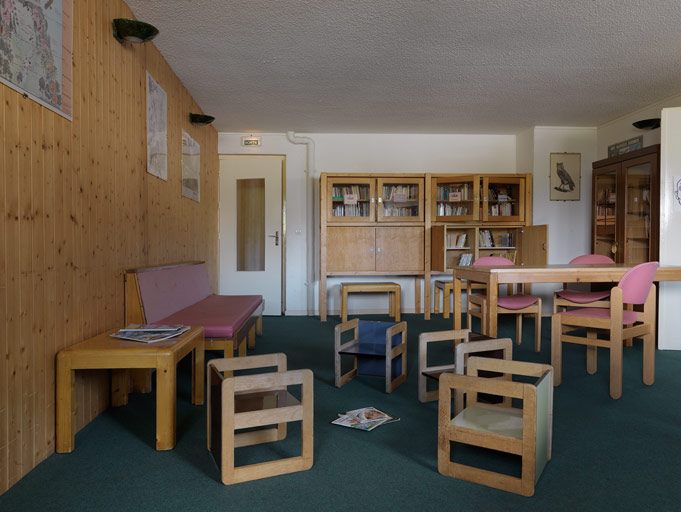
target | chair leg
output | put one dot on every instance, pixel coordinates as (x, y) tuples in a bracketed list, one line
[(616, 347), (391, 305), (518, 329), (344, 305), (591, 354), (436, 300), (556, 349), (649, 359), (398, 306), (537, 329), (445, 303)]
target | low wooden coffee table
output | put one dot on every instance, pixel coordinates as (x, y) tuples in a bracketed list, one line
[(104, 352)]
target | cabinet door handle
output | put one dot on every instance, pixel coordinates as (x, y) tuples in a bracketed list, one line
[(371, 249), (378, 250)]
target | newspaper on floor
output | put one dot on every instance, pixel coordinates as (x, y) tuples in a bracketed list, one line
[(366, 418)]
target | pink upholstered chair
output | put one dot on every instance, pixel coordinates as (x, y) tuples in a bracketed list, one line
[(582, 299), (636, 287), (512, 304)]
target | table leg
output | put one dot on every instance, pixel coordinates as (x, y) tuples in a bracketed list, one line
[(166, 396), (492, 294), (251, 337), (198, 373), (556, 349), (591, 353), (119, 387), (456, 310), (344, 305), (445, 301), (436, 299), (65, 434), (417, 295), (398, 305)]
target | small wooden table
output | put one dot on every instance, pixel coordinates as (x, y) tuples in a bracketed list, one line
[(493, 277), (104, 352), (392, 289)]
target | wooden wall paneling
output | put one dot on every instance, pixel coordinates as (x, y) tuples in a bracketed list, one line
[(4, 348)]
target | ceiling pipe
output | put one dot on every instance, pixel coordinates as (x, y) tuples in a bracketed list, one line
[(311, 217)]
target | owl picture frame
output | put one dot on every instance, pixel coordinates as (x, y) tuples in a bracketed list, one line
[(565, 176)]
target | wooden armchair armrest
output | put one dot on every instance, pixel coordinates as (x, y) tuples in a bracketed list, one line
[(344, 327), (249, 362), (507, 366), (472, 384)]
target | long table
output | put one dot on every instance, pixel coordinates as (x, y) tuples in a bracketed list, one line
[(493, 277)]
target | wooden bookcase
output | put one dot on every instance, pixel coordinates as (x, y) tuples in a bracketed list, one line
[(419, 224), (625, 211)]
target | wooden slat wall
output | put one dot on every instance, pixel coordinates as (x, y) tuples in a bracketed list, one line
[(78, 209)]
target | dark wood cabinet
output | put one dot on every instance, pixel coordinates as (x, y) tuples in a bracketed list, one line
[(625, 194)]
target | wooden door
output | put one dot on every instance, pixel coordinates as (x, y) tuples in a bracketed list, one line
[(641, 209), (533, 243), (606, 216), (399, 200), (350, 249), (455, 198), (350, 199), (399, 249)]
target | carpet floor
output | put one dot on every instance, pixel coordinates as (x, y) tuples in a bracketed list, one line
[(607, 454)]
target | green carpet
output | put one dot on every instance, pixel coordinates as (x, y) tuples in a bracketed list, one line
[(607, 455)]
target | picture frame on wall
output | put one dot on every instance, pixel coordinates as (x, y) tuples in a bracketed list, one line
[(565, 176)]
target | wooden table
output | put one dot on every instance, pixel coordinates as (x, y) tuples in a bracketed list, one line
[(493, 277), (105, 352)]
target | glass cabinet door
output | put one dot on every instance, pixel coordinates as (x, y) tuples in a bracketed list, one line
[(350, 199), (605, 212), (400, 200), (456, 198), (503, 199), (638, 212)]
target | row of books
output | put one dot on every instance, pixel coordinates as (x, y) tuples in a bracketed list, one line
[(498, 239), (448, 210), (149, 333), (360, 192), (501, 210), (400, 193), (500, 194), (455, 192), (351, 210), (401, 211), (465, 259), (456, 240)]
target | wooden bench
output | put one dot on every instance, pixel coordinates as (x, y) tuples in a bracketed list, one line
[(392, 289)]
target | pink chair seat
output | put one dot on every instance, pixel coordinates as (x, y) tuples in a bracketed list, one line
[(583, 297), (516, 301), (219, 315), (628, 317)]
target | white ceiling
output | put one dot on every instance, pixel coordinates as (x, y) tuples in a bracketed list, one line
[(409, 66)]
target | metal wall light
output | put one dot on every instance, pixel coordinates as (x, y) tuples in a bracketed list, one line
[(200, 119), (133, 31)]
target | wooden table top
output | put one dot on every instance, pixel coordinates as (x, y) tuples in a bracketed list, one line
[(563, 273), (105, 343)]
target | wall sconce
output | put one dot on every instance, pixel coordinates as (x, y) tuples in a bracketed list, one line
[(133, 31), (647, 124), (200, 119)]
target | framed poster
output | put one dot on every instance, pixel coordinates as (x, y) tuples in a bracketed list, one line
[(191, 168), (565, 176), (157, 129)]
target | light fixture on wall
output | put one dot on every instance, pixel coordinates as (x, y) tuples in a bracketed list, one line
[(133, 31), (200, 119), (647, 124)]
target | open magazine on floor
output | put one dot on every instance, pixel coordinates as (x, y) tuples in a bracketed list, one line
[(146, 333), (366, 418)]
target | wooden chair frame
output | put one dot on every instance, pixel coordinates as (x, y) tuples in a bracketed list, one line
[(643, 328), (477, 307), (231, 388), (463, 347), (340, 379), (526, 447)]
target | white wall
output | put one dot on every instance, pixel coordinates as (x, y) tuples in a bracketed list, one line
[(569, 221), (669, 324), (369, 153), (621, 128)]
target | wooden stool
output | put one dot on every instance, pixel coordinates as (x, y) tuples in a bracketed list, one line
[(447, 288), (392, 289)]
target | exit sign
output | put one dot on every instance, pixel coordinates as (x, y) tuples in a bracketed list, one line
[(251, 141)]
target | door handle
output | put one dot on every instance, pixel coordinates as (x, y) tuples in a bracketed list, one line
[(276, 238)]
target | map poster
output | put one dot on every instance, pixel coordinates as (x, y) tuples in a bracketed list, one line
[(36, 38), (191, 167), (157, 129)]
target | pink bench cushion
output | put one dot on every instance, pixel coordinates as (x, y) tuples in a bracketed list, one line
[(219, 315), (583, 297), (167, 290), (628, 317)]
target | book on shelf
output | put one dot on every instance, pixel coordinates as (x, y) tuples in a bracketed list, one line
[(366, 418), (149, 333), (466, 259)]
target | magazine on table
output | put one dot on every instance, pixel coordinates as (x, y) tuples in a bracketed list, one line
[(366, 418), (134, 332)]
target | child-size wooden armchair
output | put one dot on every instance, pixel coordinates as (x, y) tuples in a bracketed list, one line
[(259, 406), (525, 431), (635, 288), (465, 343), (377, 348)]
